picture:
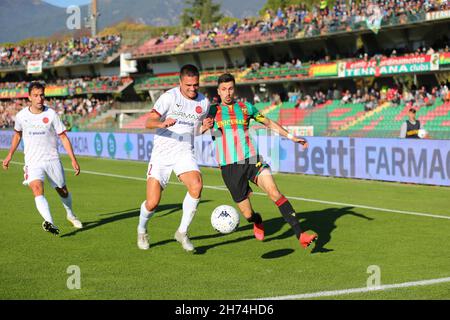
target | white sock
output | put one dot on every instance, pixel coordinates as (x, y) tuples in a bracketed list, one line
[(189, 208), (143, 218), (67, 203), (43, 208)]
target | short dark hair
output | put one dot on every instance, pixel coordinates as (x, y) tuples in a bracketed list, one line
[(189, 70), (226, 77), (412, 110), (36, 85)]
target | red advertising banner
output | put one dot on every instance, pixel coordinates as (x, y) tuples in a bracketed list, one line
[(383, 66)]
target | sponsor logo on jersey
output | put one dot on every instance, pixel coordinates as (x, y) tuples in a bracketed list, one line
[(198, 109), (186, 123), (186, 116), (36, 126), (230, 122), (36, 133), (45, 120)]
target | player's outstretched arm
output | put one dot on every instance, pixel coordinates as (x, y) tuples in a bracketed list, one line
[(14, 144), (68, 147), (154, 121), (275, 126)]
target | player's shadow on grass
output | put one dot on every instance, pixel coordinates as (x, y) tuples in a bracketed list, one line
[(126, 214), (322, 222), (203, 249), (277, 253)]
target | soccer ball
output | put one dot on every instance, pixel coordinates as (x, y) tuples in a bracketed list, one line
[(225, 219), (422, 133)]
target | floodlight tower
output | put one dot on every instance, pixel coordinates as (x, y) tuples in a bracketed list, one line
[(91, 21)]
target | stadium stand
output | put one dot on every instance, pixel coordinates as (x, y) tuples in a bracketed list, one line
[(67, 87), (161, 45), (138, 123), (386, 119), (73, 51), (276, 72), (357, 110), (374, 114), (286, 71), (155, 82), (208, 78), (73, 111), (296, 21), (89, 50)]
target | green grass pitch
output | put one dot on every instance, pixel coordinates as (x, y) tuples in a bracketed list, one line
[(406, 248)]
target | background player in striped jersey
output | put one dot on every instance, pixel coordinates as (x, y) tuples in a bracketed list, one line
[(240, 163), (39, 126)]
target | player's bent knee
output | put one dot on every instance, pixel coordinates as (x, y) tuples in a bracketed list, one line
[(151, 205), (37, 189), (195, 190), (274, 194), (247, 213)]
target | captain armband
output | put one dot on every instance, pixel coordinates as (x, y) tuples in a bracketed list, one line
[(260, 118)]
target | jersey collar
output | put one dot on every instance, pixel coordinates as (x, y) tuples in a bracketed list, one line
[(226, 106), (43, 110)]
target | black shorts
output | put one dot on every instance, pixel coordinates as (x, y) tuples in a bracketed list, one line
[(237, 175)]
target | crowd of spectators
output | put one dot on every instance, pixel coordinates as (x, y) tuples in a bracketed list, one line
[(74, 50), (317, 58), (93, 49), (68, 109), (371, 97), (78, 106), (8, 111), (291, 64), (411, 96), (78, 85), (87, 84), (317, 19)]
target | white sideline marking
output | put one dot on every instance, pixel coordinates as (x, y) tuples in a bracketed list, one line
[(359, 290), (420, 214)]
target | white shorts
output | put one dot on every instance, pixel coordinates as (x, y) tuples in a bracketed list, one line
[(161, 170), (52, 169)]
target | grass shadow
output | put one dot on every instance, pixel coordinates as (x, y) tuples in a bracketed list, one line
[(277, 253), (125, 214), (322, 222), (203, 249)]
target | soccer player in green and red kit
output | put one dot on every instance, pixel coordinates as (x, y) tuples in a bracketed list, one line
[(240, 162)]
